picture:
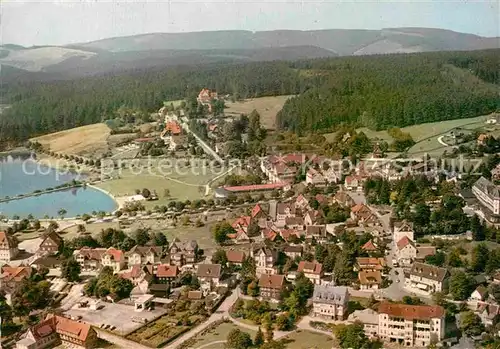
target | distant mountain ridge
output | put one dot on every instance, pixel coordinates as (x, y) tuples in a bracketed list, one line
[(167, 49)]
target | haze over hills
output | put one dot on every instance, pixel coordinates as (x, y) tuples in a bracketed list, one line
[(166, 49)]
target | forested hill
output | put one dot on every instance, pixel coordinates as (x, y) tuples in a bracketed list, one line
[(377, 91), (385, 91)]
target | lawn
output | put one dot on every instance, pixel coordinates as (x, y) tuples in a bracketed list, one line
[(267, 107), (176, 103), (183, 182), (218, 334), (308, 339), (93, 228)]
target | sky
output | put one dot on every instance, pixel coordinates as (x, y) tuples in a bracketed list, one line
[(62, 22)]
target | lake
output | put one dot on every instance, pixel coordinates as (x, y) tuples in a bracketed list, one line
[(24, 175)]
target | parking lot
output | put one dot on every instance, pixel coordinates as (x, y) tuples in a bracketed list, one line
[(114, 315)]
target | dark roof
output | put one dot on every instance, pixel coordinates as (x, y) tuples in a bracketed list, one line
[(209, 270), (271, 281), (429, 271), (158, 287), (47, 261), (487, 187)]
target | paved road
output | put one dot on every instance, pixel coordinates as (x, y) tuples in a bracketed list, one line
[(74, 296)]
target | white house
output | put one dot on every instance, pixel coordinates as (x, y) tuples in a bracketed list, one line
[(406, 251)]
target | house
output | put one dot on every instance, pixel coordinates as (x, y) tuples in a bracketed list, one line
[(369, 263), (481, 139), (240, 225), (8, 247), (402, 229), (495, 173), (406, 251), (265, 260), (195, 295), (317, 232), (290, 235), (89, 258), (141, 255), (56, 330), (177, 142), (312, 270), (369, 247), (206, 96), (209, 276), (352, 183), (360, 212), (284, 210), (369, 319), (183, 254), (343, 198), (487, 313), (330, 302), (477, 296), (296, 223), (50, 244), (257, 213), (136, 275), (49, 262), (488, 195), (235, 257), (166, 272), (411, 325), (313, 217), (369, 279), (10, 277), (293, 251), (113, 258), (424, 251), (331, 175), (427, 277), (301, 203), (172, 128), (314, 177), (271, 286)]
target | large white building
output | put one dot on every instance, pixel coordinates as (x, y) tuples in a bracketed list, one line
[(330, 302), (411, 325), (426, 277), (488, 195)]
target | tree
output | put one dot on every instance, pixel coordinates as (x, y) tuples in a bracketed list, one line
[(494, 290), (253, 289), (351, 336), (36, 224), (343, 269), (166, 193), (141, 236), (259, 338), (253, 229), (160, 239), (146, 193), (221, 230), (70, 270), (219, 257), (237, 339), (479, 258), (471, 324), (461, 285), (477, 228), (62, 212)]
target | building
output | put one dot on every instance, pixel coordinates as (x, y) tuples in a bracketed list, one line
[(369, 319), (209, 276), (177, 142), (8, 247), (487, 312), (353, 183), (427, 277), (293, 251), (402, 229), (314, 177), (411, 325), (477, 296), (312, 270), (488, 195), (10, 277), (406, 251), (369, 263), (369, 279), (369, 247), (89, 258), (113, 258), (206, 96), (141, 255), (50, 244), (235, 257), (424, 251), (183, 254), (166, 272), (56, 330), (271, 286), (330, 302), (265, 260)]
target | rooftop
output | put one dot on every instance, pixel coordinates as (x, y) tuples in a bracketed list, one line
[(411, 312)]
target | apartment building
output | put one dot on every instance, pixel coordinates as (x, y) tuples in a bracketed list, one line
[(411, 325), (427, 277), (312, 270), (265, 260), (141, 255), (330, 302), (488, 195), (8, 247)]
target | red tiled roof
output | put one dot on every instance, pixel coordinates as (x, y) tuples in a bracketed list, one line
[(14, 273), (173, 127), (235, 256), (269, 234), (268, 186), (166, 270), (71, 328), (6, 238), (256, 210), (271, 281), (288, 233), (370, 262), (411, 312), (350, 179), (310, 267), (369, 277), (243, 221), (403, 242), (116, 254), (369, 246)]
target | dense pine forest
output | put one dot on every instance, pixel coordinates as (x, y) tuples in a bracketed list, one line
[(374, 91)]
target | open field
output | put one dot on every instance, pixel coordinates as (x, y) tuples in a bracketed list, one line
[(217, 335), (181, 181), (84, 141), (176, 103), (308, 339), (267, 107)]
